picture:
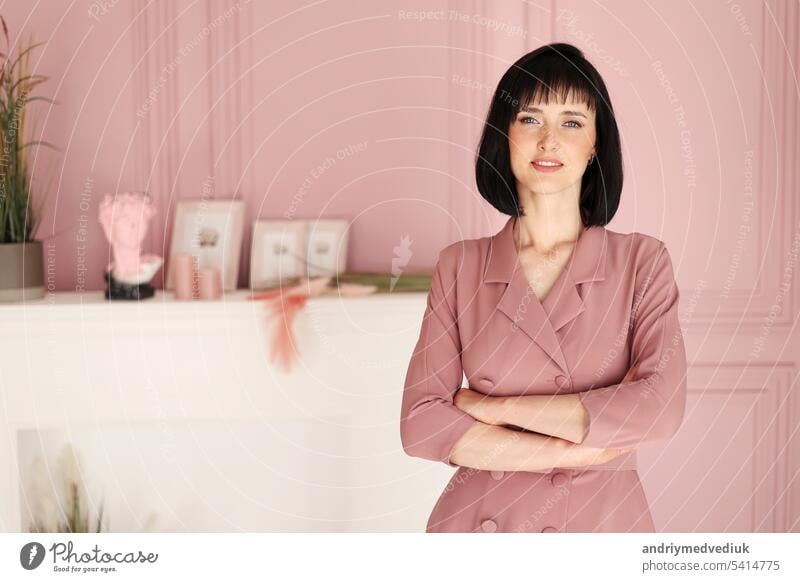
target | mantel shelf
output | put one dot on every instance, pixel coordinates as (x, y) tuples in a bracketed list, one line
[(237, 302), (73, 360)]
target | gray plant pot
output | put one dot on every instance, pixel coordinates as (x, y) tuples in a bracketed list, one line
[(21, 271)]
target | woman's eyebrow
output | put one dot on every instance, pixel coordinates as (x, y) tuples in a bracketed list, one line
[(565, 112)]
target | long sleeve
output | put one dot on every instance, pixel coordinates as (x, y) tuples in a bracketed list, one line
[(430, 424), (651, 407)]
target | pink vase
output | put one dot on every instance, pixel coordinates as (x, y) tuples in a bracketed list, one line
[(185, 276), (210, 283)]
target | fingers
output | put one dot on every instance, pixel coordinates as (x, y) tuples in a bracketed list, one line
[(631, 375)]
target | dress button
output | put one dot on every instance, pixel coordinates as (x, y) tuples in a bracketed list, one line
[(497, 475), (549, 529), (559, 479), (489, 526), (486, 382), (561, 381)]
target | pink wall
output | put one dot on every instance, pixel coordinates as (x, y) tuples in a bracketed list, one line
[(251, 97), (245, 99)]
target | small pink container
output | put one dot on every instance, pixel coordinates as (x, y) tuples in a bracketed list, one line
[(185, 276), (210, 283)]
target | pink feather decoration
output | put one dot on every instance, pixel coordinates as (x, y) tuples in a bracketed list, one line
[(283, 304)]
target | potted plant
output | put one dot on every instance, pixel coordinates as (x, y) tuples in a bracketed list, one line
[(58, 499), (21, 257)]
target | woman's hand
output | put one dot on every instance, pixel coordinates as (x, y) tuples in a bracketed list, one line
[(585, 455), (631, 375), (478, 406)]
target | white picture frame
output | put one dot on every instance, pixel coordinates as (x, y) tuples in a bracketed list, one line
[(212, 231), (278, 252), (326, 247)]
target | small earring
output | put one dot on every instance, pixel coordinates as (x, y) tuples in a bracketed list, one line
[(591, 160)]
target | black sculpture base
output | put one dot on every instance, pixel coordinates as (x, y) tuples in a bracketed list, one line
[(119, 290)]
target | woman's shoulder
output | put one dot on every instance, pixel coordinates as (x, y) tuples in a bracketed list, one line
[(641, 255), (640, 246), (463, 260), (464, 249)]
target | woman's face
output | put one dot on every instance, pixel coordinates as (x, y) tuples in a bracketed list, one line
[(561, 132)]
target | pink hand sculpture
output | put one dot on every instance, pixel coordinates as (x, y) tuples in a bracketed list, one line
[(125, 219)]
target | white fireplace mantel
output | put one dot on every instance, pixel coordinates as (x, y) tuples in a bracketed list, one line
[(73, 360)]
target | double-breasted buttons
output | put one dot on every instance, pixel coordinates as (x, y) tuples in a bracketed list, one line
[(558, 479), (497, 475), (562, 381), (549, 529), (489, 525), (486, 382)]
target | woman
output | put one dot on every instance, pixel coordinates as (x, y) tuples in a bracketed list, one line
[(567, 332)]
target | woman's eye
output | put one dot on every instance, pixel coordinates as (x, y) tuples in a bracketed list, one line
[(530, 120)]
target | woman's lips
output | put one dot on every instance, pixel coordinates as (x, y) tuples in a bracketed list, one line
[(541, 168)]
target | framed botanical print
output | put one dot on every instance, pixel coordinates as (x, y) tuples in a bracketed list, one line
[(278, 252), (326, 247), (212, 231)]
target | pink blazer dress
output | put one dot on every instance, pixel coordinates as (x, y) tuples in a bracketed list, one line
[(614, 304)]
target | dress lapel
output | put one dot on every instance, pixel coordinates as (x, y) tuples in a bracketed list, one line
[(563, 303)]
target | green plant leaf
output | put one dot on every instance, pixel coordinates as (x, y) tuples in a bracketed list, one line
[(16, 61), (99, 519), (29, 80), (40, 143), (5, 29), (19, 213), (45, 99)]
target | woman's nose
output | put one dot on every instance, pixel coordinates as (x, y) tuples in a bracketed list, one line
[(547, 139)]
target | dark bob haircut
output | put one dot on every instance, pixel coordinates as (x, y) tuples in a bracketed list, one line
[(554, 70)]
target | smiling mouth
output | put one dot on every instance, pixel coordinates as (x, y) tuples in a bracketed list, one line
[(546, 165)]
